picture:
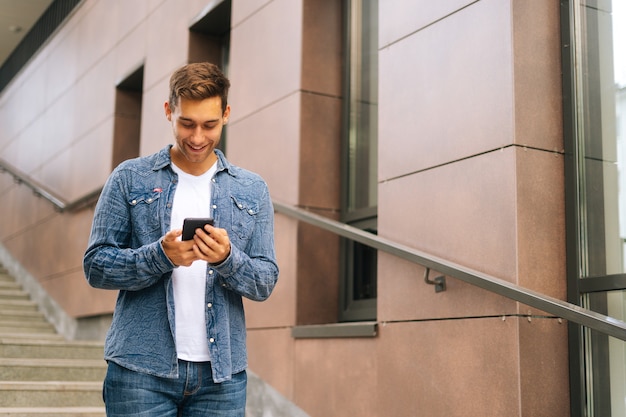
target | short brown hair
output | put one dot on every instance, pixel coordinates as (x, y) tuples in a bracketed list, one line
[(198, 81)]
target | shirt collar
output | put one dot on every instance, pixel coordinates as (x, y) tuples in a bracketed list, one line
[(163, 159)]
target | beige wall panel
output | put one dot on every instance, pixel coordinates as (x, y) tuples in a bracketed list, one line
[(59, 125), (131, 16), (466, 368), (156, 131), (280, 309), (92, 45), (130, 53), (445, 92), (403, 295), (267, 142), (167, 41), (95, 93), (265, 64), (92, 154), (339, 378), (463, 212), (62, 64), (82, 300), (82, 167), (243, 9), (401, 18), (271, 356)]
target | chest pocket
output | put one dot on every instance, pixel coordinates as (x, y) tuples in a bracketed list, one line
[(144, 212), (244, 216)]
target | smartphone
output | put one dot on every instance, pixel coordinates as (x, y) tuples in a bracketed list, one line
[(191, 224)]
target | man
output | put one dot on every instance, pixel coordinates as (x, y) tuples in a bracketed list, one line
[(177, 343)]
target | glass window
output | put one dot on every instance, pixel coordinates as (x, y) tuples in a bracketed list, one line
[(360, 198), (595, 58)]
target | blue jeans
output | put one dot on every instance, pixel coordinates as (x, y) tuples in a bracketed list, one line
[(129, 393)]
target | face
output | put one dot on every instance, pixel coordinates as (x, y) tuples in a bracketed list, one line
[(197, 126)]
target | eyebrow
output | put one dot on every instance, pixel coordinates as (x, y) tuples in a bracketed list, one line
[(187, 119)]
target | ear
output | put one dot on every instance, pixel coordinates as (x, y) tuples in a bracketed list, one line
[(168, 111), (226, 114)]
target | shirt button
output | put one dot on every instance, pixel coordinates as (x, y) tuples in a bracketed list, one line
[(210, 272), (133, 202), (239, 205), (210, 305), (149, 200), (212, 340), (214, 206)]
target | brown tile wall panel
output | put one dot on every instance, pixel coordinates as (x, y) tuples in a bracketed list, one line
[(445, 92), (537, 68), (463, 212), (83, 300), (403, 295), (279, 309), (322, 49), (265, 65), (541, 222), (449, 368), (318, 275), (267, 142), (543, 358), (271, 354), (320, 151), (339, 378)]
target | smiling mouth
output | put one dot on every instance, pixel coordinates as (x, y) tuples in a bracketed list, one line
[(197, 148)]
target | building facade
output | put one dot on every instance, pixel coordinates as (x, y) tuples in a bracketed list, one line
[(465, 129)]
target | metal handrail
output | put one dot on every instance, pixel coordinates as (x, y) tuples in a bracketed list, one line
[(38, 189), (551, 305)]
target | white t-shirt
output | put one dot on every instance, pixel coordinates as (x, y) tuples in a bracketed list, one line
[(192, 199)]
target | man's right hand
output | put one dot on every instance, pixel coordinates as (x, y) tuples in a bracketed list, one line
[(179, 252)]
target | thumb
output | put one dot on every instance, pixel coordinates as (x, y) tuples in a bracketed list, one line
[(172, 235)]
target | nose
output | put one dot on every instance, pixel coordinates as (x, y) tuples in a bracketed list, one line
[(197, 135)]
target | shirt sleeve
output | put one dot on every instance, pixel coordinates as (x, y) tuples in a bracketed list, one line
[(252, 272), (109, 261)]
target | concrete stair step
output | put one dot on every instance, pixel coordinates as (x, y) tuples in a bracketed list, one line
[(32, 336), (18, 326), (49, 369), (19, 346), (9, 285), (8, 314), (41, 373), (13, 294), (26, 305), (53, 412), (50, 394)]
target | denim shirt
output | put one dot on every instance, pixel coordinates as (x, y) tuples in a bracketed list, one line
[(125, 253)]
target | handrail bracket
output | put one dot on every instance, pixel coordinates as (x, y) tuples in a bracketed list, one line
[(439, 282)]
